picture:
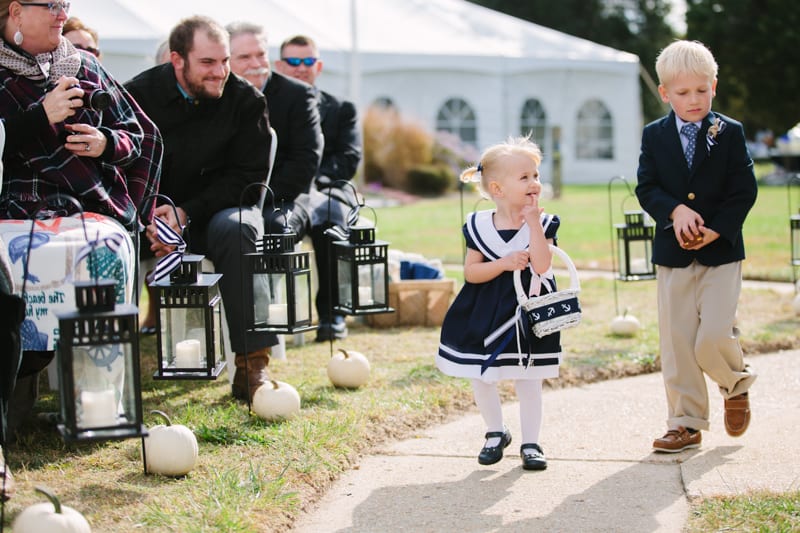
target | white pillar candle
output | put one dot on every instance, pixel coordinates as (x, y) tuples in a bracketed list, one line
[(365, 296), (638, 266), (278, 314), (187, 354), (99, 408), (198, 334)]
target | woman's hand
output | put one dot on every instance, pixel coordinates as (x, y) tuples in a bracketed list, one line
[(85, 140), (61, 102)]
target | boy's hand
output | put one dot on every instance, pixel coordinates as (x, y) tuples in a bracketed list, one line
[(707, 236), (687, 224)]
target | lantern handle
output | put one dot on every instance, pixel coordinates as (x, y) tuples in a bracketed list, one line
[(144, 205), (265, 189), (614, 264), (268, 192), (56, 197), (352, 216)]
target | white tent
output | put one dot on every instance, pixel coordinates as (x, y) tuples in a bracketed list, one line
[(448, 63)]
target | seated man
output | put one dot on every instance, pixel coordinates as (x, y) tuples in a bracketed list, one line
[(340, 158), (216, 144)]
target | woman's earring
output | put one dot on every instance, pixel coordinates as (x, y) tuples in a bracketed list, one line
[(18, 37)]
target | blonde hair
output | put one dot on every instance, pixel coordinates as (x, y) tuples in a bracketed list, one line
[(486, 170), (685, 57)]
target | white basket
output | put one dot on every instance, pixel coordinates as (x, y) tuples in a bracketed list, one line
[(554, 311)]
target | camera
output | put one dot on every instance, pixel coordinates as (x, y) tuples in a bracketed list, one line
[(94, 97)]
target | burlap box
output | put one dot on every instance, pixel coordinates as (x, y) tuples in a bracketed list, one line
[(416, 303)]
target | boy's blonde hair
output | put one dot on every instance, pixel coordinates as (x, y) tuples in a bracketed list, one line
[(486, 170), (685, 57)]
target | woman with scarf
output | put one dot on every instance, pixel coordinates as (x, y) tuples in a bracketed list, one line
[(71, 129)]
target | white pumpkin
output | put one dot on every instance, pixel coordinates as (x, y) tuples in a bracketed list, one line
[(625, 325), (796, 304), (170, 450), (276, 400), (348, 369), (51, 517)]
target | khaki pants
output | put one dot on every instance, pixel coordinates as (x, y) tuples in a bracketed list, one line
[(697, 315)]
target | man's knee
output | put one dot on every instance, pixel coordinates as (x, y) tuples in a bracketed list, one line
[(231, 225)]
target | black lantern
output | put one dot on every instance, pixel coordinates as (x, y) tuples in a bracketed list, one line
[(794, 224), (189, 323), (281, 280), (98, 341), (635, 247), (362, 273)]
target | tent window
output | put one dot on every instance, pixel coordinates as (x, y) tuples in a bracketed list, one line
[(533, 120), (456, 116), (595, 132)]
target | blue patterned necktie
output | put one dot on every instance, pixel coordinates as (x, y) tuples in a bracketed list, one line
[(690, 131)]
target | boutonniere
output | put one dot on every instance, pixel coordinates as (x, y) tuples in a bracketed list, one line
[(715, 129)]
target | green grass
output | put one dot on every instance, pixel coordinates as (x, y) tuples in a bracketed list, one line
[(433, 227), (759, 511), (257, 476)]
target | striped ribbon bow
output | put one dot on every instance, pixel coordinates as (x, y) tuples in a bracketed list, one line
[(172, 260)]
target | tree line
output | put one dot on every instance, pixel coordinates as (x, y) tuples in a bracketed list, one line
[(755, 42)]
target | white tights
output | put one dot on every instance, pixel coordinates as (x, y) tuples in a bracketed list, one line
[(529, 394)]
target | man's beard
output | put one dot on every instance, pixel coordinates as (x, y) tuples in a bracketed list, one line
[(196, 87)]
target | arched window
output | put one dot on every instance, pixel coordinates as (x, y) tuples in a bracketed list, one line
[(456, 116), (383, 102), (534, 120), (595, 132)]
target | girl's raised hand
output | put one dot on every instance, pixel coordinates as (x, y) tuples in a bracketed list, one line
[(532, 213)]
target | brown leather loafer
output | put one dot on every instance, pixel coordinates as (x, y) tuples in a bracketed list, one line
[(737, 414), (677, 440)]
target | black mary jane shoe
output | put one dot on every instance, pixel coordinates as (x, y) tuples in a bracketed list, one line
[(491, 454), (533, 459)]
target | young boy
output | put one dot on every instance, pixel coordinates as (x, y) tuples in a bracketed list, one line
[(695, 178)]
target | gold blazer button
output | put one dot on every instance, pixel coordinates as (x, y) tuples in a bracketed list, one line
[(690, 196)]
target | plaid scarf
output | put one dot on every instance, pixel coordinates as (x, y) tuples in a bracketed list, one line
[(65, 60)]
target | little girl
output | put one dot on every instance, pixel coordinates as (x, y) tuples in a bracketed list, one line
[(479, 338)]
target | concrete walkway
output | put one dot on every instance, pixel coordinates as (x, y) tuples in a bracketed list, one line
[(601, 476)]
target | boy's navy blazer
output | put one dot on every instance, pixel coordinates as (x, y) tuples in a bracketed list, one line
[(720, 186)]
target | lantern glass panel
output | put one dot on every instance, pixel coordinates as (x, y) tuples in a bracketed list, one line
[(103, 398), (371, 285), (795, 229), (278, 309), (634, 258), (184, 337), (302, 296), (345, 283)]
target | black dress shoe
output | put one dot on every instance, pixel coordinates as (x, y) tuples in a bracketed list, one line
[(532, 457), (491, 454), (328, 331)]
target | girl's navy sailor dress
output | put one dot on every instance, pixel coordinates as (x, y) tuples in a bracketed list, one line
[(481, 336)]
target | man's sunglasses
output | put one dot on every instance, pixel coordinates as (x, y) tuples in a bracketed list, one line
[(295, 61)]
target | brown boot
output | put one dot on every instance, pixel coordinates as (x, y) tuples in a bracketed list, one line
[(250, 371)]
